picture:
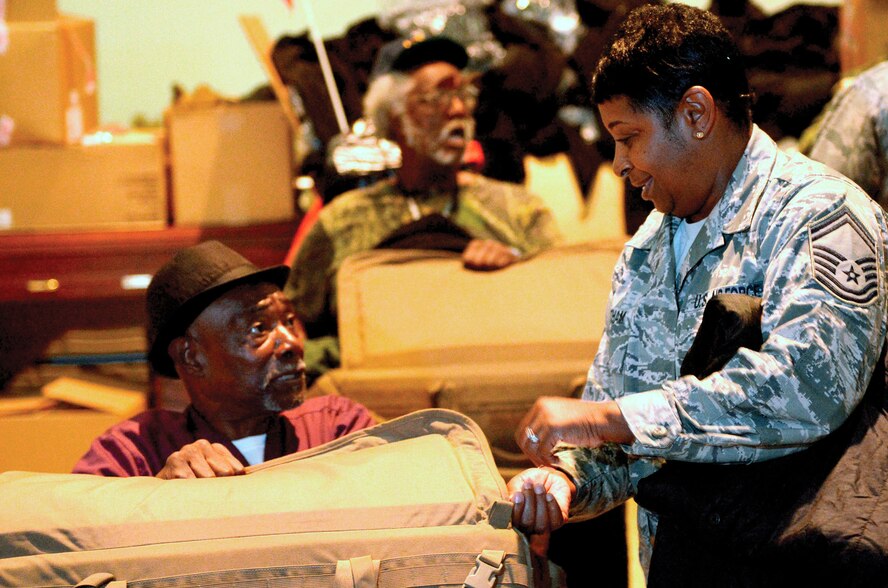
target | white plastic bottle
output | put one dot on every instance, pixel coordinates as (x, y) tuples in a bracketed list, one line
[(74, 119)]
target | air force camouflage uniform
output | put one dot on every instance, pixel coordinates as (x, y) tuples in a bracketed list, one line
[(852, 136), (812, 246)]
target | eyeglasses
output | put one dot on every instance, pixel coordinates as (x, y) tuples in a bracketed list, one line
[(443, 97)]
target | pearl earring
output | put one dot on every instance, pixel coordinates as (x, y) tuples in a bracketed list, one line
[(699, 134)]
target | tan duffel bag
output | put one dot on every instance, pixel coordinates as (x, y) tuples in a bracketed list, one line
[(416, 501), (417, 330)]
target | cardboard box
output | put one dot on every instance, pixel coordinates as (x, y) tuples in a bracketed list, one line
[(49, 91), (231, 164), (98, 342), (863, 36), (31, 10), (49, 440), (40, 437), (101, 397), (110, 186)]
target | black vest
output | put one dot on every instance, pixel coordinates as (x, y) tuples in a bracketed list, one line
[(815, 518)]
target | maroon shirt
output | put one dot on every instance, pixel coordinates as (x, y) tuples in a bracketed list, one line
[(141, 445)]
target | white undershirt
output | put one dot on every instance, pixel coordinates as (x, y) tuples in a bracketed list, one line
[(252, 447), (684, 237)]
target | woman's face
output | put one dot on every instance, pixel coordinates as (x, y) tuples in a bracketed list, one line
[(660, 161)]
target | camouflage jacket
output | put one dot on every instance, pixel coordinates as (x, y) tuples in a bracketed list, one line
[(360, 219), (852, 135), (813, 247)]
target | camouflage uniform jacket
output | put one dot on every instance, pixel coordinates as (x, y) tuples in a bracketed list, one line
[(852, 136), (360, 219), (812, 246)]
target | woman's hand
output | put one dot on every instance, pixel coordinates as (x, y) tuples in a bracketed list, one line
[(554, 419)]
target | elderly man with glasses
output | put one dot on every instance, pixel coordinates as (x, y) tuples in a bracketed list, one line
[(424, 102)]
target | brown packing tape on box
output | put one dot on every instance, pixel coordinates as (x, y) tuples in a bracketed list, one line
[(31, 10), (49, 90)]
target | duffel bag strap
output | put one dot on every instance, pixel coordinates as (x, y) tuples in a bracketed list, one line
[(101, 580), (357, 572), (500, 514), (488, 568)]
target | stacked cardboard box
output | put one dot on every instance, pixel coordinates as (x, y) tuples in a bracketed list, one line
[(50, 177), (115, 185), (231, 163), (49, 92), (67, 415)]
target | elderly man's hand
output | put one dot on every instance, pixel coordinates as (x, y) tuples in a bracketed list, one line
[(486, 255), (201, 459), (554, 419), (540, 499)]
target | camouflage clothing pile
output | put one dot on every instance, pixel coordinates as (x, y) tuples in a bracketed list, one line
[(807, 242), (359, 220), (852, 134)]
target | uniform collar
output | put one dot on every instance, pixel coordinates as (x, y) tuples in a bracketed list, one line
[(751, 177)]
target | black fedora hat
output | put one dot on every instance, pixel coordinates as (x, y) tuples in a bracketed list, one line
[(187, 284)]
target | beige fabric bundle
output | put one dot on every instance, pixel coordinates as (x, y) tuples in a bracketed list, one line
[(417, 330)]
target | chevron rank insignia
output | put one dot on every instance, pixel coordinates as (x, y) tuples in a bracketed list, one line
[(844, 256)]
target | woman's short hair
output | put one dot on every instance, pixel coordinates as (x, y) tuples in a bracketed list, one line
[(386, 100), (662, 50)]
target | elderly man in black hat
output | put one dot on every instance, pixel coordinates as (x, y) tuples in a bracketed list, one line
[(226, 329), (424, 101)]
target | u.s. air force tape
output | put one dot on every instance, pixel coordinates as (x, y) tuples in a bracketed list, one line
[(844, 256)]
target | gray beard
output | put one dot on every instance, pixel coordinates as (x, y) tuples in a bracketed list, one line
[(433, 147), (272, 405)]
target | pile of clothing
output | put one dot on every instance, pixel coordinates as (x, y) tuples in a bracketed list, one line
[(535, 76)]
